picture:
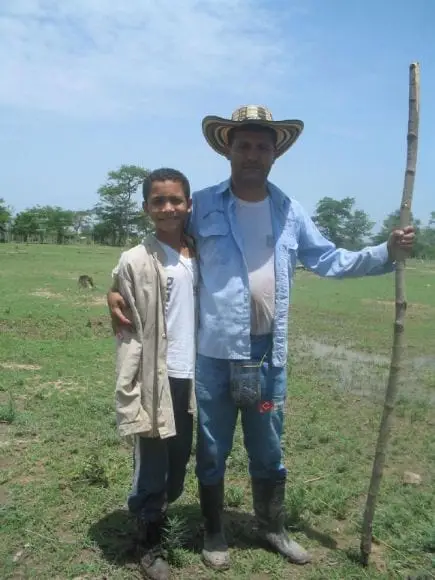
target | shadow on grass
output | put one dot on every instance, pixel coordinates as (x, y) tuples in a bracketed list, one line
[(321, 538), (115, 533)]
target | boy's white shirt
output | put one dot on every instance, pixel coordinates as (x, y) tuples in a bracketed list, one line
[(181, 292)]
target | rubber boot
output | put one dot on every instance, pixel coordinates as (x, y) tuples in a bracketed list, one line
[(215, 550), (268, 499)]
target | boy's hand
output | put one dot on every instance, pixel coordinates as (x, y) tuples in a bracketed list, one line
[(116, 305)]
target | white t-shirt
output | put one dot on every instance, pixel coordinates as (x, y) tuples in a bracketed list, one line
[(255, 225), (182, 281)]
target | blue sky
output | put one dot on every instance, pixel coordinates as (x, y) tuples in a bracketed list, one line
[(88, 85)]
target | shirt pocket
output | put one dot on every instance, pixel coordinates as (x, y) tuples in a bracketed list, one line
[(214, 238), (289, 248)]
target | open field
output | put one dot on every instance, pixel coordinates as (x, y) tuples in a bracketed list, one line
[(64, 474)]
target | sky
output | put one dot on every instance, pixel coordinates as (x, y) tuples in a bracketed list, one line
[(89, 85)]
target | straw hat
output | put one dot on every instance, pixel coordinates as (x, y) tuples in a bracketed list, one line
[(216, 129)]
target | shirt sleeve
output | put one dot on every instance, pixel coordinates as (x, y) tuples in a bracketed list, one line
[(322, 257)]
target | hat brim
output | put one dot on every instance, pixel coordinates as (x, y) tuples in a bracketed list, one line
[(216, 129)]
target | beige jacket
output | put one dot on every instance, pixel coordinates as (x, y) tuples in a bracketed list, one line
[(142, 394)]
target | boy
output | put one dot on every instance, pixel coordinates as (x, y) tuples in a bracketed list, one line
[(156, 358)]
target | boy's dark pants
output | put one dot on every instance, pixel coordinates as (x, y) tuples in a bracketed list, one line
[(160, 464)]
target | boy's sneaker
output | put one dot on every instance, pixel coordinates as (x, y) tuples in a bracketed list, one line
[(152, 557)]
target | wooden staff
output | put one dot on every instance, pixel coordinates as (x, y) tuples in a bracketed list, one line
[(398, 338)]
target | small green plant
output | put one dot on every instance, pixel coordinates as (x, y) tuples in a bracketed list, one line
[(92, 472), (175, 537), (234, 496), (8, 412)]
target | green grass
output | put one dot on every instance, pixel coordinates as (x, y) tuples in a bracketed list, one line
[(64, 474)]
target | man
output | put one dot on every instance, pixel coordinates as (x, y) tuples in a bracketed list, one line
[(249, 235)]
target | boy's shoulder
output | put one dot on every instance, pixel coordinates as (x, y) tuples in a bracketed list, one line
[(138, 253)]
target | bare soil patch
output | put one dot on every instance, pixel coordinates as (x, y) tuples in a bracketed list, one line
[(45, 294), (11, 366), (64, 385), (391, 304), (94, 301)]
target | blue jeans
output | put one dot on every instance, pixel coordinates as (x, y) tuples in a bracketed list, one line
[(160, 464), (217, 415)]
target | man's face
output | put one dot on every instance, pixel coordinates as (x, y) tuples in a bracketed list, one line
[(252, 155), (167, 206)]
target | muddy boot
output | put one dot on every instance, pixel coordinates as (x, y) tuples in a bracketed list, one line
[(153, 564), (215, 550), (268, 497)]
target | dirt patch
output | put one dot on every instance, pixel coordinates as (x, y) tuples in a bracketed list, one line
[(377, 558), (45, 294), (6, 461), (64, 386), (34, 473), (364, 374), (100, 301), (94, 301), (86, 556), (19, 367), (422, 362), (17, 443), (3, 495), (391, 304)]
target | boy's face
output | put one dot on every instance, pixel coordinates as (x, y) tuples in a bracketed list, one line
[(167, 206)]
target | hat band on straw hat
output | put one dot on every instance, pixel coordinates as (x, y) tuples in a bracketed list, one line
[(216, 129)]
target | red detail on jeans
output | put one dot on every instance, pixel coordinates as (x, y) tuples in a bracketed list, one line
[(266, 406)]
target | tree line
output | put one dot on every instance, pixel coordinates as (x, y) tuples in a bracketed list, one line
[(118, 220)]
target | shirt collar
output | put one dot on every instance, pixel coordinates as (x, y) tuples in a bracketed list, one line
[(278, 197)]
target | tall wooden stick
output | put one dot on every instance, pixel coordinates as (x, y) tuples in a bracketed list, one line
[(398, 342)]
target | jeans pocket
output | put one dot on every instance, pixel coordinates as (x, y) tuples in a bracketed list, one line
[(245, 382)]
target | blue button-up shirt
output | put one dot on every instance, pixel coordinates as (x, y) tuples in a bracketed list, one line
[(224, 297)]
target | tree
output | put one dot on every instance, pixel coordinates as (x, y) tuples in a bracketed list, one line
[(82, 221), (5, 219), (43, 221), (427, 239), (357, 229), (338, 222), (26, 224), (117, 210), (59, 222)]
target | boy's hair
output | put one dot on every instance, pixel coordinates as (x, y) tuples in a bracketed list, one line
[(165, 174), (251, 128)]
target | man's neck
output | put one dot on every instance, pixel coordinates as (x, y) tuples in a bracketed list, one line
[(248, 193), (173, 240)]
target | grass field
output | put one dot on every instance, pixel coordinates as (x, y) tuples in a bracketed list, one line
[(64, 474)]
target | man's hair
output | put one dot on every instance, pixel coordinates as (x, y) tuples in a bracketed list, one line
[(165, 174), (252, 128)]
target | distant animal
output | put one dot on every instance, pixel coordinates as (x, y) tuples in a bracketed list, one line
[(85, 281)]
